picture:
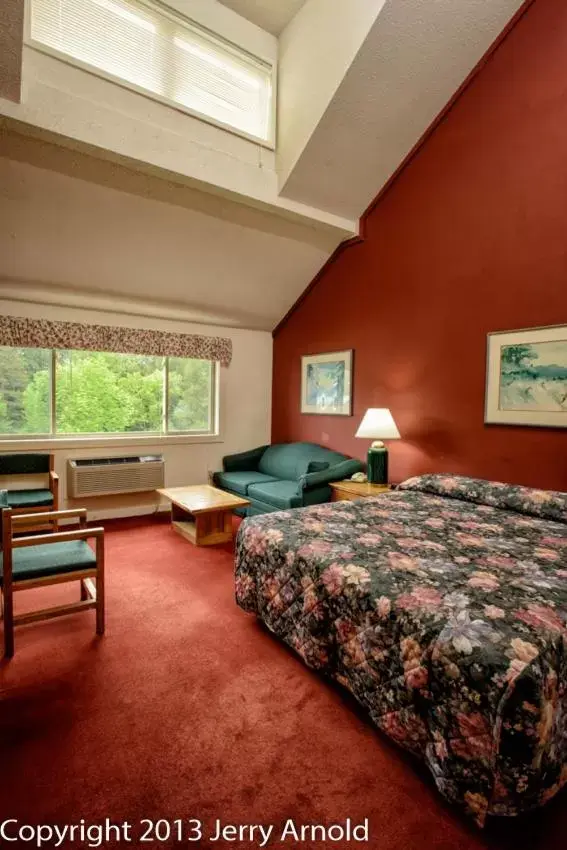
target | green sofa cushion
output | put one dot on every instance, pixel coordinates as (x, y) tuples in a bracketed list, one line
[(289, 461), (239, 482), (243, 461), (256, 508), (49, 559), (281, 494), (29, 498), (284, 498)]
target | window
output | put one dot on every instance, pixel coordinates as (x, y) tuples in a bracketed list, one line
[(56, 393), (157, 52), (25, 378)]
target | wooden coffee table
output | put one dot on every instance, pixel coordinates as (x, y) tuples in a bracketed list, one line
[(202, 513)]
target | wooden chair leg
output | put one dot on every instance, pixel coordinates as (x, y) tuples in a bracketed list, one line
[(100, 586), (54, 487), (84, 594), (8, 624)]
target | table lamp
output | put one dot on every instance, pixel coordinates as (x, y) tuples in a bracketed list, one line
[(378, 424)]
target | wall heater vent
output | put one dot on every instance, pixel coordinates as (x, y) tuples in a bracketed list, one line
[(106, 476)]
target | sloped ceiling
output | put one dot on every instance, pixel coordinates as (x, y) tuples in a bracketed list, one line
[(270, 15), (415, 57), (83, 226), (78, 225)]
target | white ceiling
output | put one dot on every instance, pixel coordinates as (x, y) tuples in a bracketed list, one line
[(270, 15), (85, 226), (412, 62)]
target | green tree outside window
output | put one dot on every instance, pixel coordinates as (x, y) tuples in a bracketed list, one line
[(103, 393)]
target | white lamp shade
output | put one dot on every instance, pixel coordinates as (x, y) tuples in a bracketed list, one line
[(378, 424)]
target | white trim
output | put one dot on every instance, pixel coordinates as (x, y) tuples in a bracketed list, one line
[(101, 514), (269, 143), (33, 444)]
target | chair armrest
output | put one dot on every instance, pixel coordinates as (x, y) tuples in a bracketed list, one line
[(58, 537), (41, 517), (54, 487), (334, 473), (244, 461)]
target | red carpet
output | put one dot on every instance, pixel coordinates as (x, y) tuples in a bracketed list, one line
[(188, 708)]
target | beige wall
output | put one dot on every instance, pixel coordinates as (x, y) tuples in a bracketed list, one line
[(11, 37), (245, 398)]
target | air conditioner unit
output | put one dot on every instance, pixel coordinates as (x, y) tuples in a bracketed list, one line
[(106, 476)]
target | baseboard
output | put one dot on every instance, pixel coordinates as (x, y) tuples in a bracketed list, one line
[(102, 514)]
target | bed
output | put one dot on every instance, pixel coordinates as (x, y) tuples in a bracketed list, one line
[(442, 607)]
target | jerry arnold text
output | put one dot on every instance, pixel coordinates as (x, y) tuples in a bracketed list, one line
[(15, 833)]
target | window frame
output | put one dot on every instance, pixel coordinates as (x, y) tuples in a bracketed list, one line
[(269, 143), (211, 435)]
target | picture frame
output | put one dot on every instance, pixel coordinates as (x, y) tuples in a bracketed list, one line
[(326, 383), (526, 377)]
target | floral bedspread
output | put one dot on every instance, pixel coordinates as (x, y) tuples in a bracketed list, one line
[(443, 608)]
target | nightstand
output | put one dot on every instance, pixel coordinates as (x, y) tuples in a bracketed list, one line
[(343, 491)]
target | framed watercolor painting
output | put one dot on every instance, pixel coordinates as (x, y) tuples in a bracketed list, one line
[(526, 377), (326, 383)]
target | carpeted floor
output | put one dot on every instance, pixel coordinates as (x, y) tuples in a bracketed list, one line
[(189, 709)]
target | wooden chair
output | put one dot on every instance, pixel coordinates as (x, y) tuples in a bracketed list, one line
[(41, 560), (20, 475)]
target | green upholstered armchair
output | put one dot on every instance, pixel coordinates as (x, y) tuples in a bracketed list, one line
[(44, 559), (15, 468)]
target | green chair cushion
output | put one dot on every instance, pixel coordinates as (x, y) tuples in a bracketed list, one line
[(49, 559), (239, 482), (29, 498), (23, 463)]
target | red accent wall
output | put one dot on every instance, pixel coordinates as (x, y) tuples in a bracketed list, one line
[(470, 238)]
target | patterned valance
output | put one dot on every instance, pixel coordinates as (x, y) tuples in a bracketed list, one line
[(43, 333)]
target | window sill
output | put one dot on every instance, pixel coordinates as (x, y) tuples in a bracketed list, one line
[(89, 442)]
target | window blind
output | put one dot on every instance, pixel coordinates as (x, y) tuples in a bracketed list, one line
[(155, 50)]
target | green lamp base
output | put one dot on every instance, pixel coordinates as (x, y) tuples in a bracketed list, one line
[(377, 471)]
